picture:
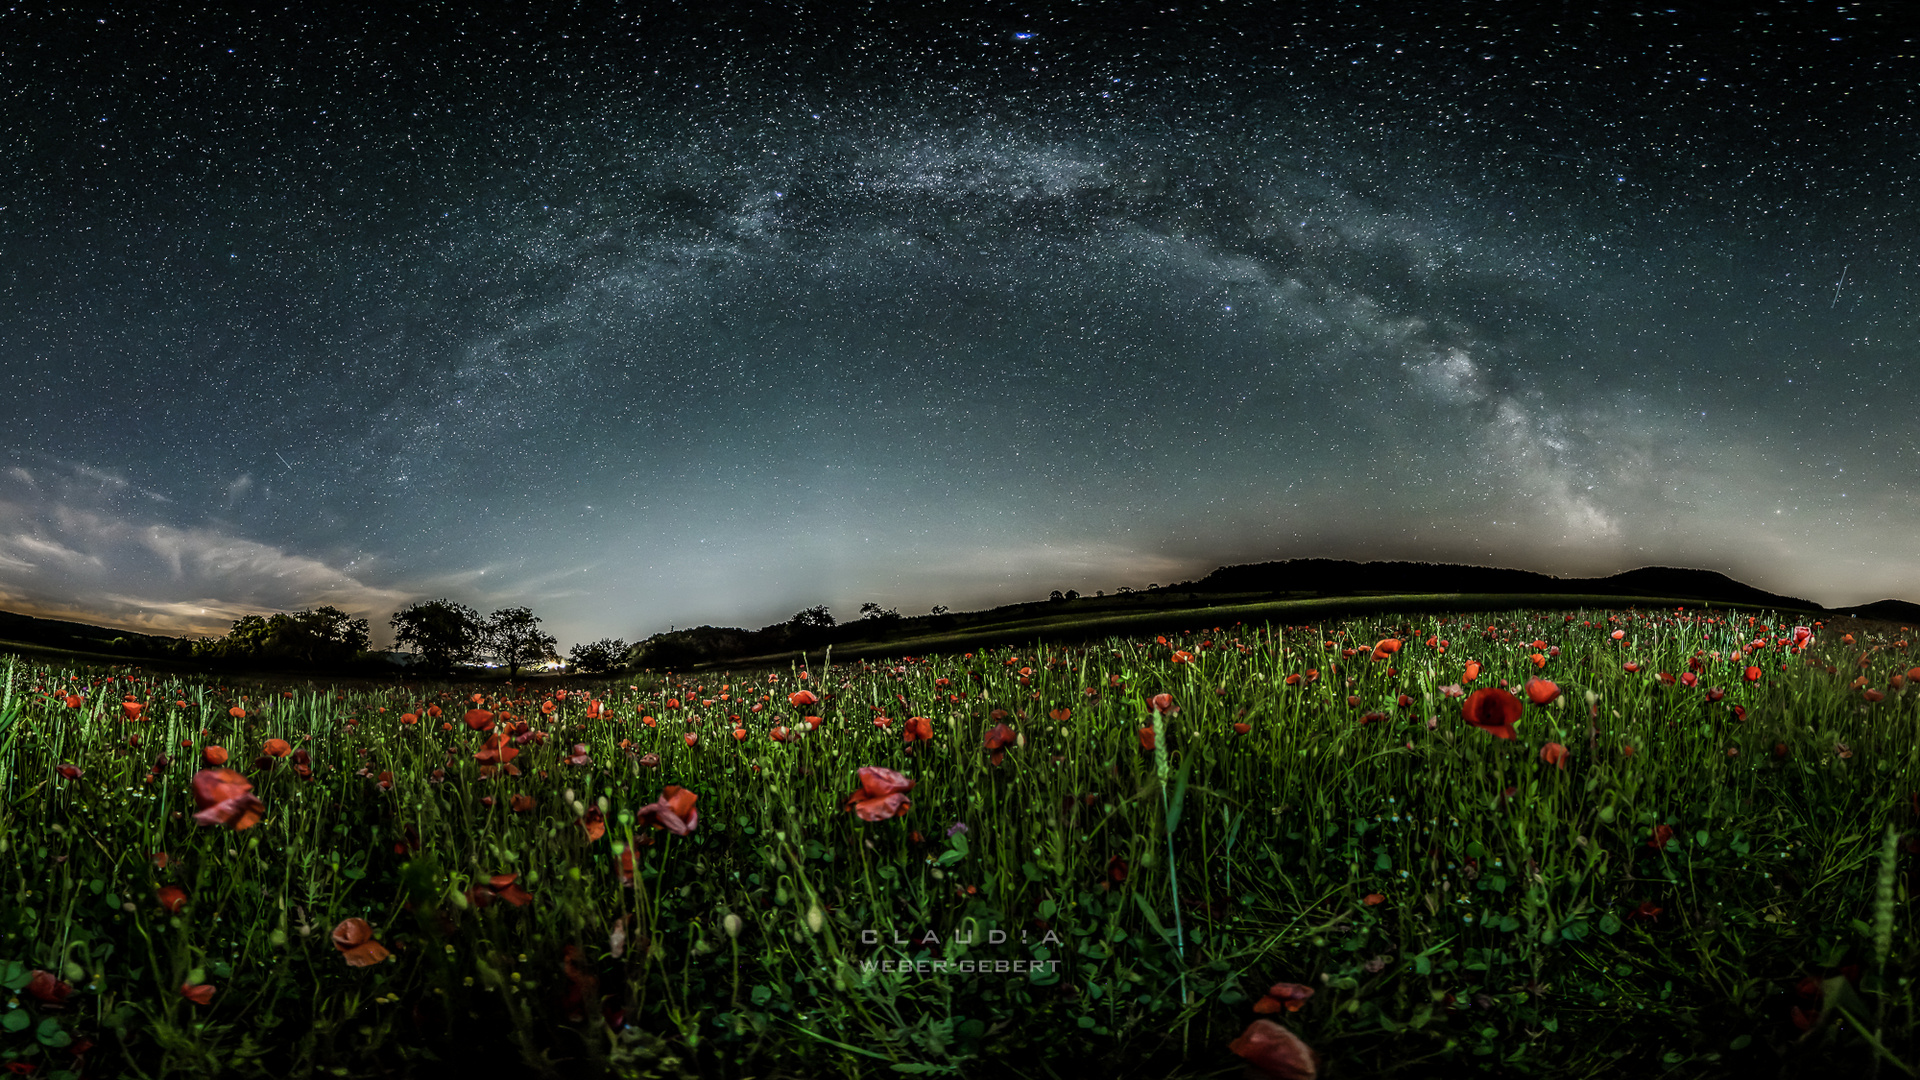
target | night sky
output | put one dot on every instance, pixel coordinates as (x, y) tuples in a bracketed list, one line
[(705, 314)]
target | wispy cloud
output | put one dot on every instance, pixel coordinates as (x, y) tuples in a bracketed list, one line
[(88, 545)]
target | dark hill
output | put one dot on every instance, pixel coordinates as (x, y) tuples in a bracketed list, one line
[(1339, 577), (1893, 611)]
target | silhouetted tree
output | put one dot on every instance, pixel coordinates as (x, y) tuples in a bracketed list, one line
[(441, 632), (512, 636), (597, 658), (814, 618), (323, 635)]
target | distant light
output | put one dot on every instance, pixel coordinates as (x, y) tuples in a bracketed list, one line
[(1023, 36)]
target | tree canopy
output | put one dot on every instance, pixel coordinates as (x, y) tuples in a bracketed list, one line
[(512, 636), (441, 632)]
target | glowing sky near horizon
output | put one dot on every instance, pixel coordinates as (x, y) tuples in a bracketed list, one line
[(708, 314)]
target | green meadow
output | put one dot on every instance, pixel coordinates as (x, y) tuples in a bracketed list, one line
[(1562, 842)]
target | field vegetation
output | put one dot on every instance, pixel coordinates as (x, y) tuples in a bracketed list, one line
[(1566, 842)]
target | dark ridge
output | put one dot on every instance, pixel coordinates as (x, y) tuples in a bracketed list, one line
[(1339, 577), (59, 634), (1893, 611)]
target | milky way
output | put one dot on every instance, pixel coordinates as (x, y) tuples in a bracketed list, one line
[(708, 315)]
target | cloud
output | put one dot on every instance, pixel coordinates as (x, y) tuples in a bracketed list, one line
[(82, 550)]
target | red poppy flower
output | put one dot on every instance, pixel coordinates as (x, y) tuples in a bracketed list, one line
[(276, 748), (1117, 868), (1648, 911), (160, 860), (500, 886), (479, 720), (132, 709), (1163, 703), (1374, 899), (225, 798), (354, 939), (800, 699), (47, 987), (917, 727), (1146, 738), (1274, 1053), (1554, 754), (433, 711), (522, 802), (1872, 695), (1242, 728), (690, 738), (172, 898), (1753, 674), (1059, 716), (69, 772), (1492, 711), (215, 755), (74, 701), (781, 734), (237, 713), (1472, 671), (881, 795), (673, 811), (1385, 647), (409, 718), (1662, 836), (1540, 691), (1288, 996), (579, 756), (199, 994), (594, 822), (999, 737)]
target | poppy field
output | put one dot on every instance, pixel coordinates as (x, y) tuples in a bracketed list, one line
[(1671, 842)]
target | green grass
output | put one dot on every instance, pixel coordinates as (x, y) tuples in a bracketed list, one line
[(1154, 895)]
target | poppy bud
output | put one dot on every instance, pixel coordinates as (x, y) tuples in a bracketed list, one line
[(732, 925)]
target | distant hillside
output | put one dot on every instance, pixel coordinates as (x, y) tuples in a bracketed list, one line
[(1251, 583), (80, 637), (1339, 577), (1295, 579), (1893, 611)]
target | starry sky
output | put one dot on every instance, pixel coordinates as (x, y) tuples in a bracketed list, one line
[(707, 313)]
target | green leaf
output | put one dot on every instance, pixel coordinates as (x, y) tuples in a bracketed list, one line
[(17, 976), (1179, 795), (762, 995), (1381, 862), (49, 1034), (1153, 920), (1740, 1042), (17, 1020), (1474, 850), (1609, 924), (921, 1069)]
